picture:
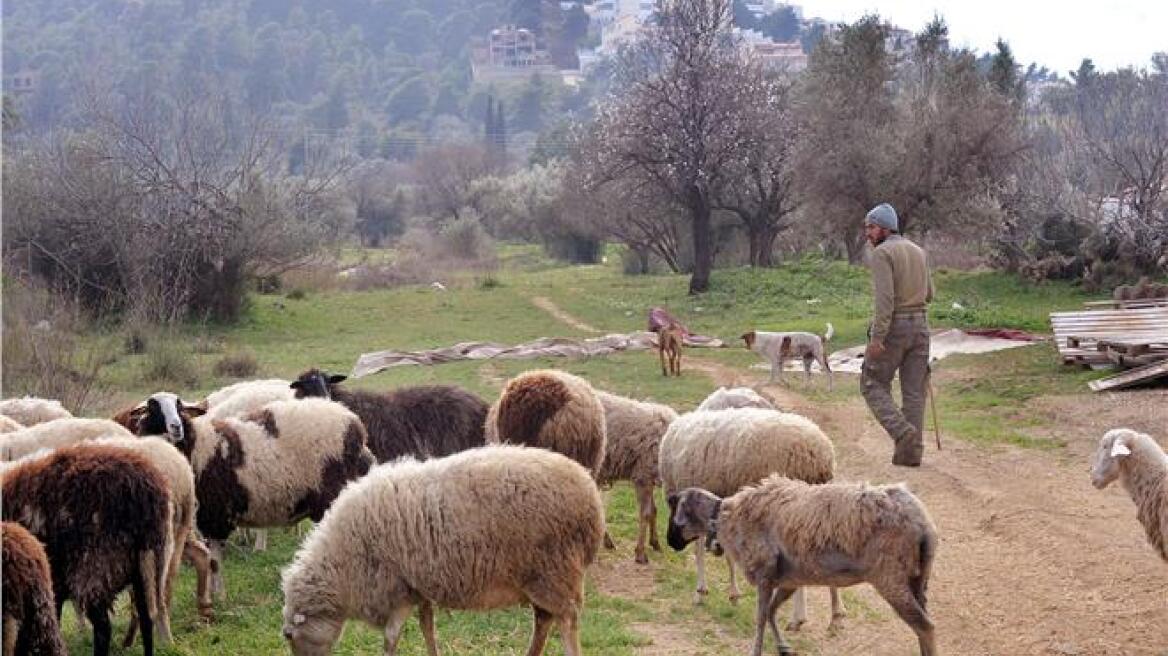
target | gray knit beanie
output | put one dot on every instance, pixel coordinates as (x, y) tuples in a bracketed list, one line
[(884, 216)]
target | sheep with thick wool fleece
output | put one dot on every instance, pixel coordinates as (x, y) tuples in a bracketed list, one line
[(32, 410), (724, 398), (633, 431), (725, 450), (486, 528), (273, 468), (1142, 466), (55, 434), (788, 534), (9, 425), (30, 613)]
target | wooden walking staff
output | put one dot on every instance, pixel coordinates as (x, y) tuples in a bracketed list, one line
[(933, 405)]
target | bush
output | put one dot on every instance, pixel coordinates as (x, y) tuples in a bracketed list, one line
[(465, 238), (240, 364), (170, 361), (298, 294)]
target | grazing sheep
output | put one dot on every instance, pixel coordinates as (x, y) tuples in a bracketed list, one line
[(54, 434), (31, 410), (1142, 467), (8, 424), (633, 430), (427, 421), (486, 528), (788, 534), (97, 544), (553, 410), (30, 614), (284, 463), (735, 397), (726, 450)]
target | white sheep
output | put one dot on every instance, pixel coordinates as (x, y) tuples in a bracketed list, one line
[(273, 468), (55, 434), (735, 397), (788, 534), (485, 528), (725, 450), (32, 410), (634, 430), (8, 424), (1142, 466)]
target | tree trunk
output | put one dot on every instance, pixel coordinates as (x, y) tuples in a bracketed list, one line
[(762, 245), (699, 282), (642, 260)]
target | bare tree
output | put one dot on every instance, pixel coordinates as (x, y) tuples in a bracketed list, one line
[(676, 120), (446, 175), (634, 214)]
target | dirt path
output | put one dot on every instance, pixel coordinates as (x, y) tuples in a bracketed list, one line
[(1033, 559), (546, 304)]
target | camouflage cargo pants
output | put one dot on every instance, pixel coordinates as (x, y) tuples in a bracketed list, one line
[(906, 349)]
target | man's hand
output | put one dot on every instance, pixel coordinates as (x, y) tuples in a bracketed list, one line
[(875, 349)]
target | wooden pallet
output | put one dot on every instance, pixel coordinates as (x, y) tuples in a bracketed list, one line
[(1077, 333), (1131, 377)]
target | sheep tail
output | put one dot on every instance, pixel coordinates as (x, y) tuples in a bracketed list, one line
[(927, 548)]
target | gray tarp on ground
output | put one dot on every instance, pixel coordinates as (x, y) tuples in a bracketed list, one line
[(369, 363), (941, 344)]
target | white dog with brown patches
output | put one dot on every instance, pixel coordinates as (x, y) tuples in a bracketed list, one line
[(779, 347)]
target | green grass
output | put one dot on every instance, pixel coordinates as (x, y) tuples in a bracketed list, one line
[(983, 399)]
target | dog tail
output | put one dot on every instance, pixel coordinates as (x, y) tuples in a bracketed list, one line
[(829, 333)]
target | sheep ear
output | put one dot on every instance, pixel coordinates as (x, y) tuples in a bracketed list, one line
[(1119, 449), (296, 384), (336, 378), (192, 411)]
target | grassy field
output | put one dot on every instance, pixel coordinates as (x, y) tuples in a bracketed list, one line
[(983, 400)]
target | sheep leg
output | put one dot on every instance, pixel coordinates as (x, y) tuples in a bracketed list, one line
[(646, 522), (904, 602), (393, 628), (215, 548), (777, 598), (102, 631), (261, 539), (765, 592), (700, 562), (570, 633), (735, 594), (195, 552), (539, 631), (608, 543), (838, 612), (661, 351), (426, 620), (799, 611)]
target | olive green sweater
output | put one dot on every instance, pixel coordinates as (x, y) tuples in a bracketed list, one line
[(900, 282)]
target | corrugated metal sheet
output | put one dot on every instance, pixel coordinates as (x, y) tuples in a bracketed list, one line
[(1130, 325)]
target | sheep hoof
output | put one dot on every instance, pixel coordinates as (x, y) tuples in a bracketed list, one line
[(641, 559), (656, 546), (700, 596), (795, 625), (785, 650), (608, 543), (733, 598)]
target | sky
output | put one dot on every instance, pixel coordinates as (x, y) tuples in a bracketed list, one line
[(1057, 35)]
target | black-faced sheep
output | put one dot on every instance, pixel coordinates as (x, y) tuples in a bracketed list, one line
[(788, 534), (30, 614), (726, 450), (486, 528), (97, 544), (428, 421), (633, 431), (284, 463), (31, 410), (1142, 466)]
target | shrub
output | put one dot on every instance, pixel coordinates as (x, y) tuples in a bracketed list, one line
[(239, 364), (169, 361)]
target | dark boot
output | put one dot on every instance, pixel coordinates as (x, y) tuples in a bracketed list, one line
[(909, 449)]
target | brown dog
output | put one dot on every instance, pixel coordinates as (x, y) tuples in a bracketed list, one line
[(670, 341)]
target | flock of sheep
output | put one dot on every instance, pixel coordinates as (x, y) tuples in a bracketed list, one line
[(475, 506)]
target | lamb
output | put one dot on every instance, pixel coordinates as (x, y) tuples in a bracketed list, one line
[(9, 425), (427, 421), (284, 463), (1142, 466), (486, 528), (633, 430), (735, 397), (553, 410), (30, 614), (54, 434), (97, 544), (787, 534), (31, 410), (725, 450)]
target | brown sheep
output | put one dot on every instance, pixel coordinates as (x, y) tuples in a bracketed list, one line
[(97, 544), (30, 615)]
